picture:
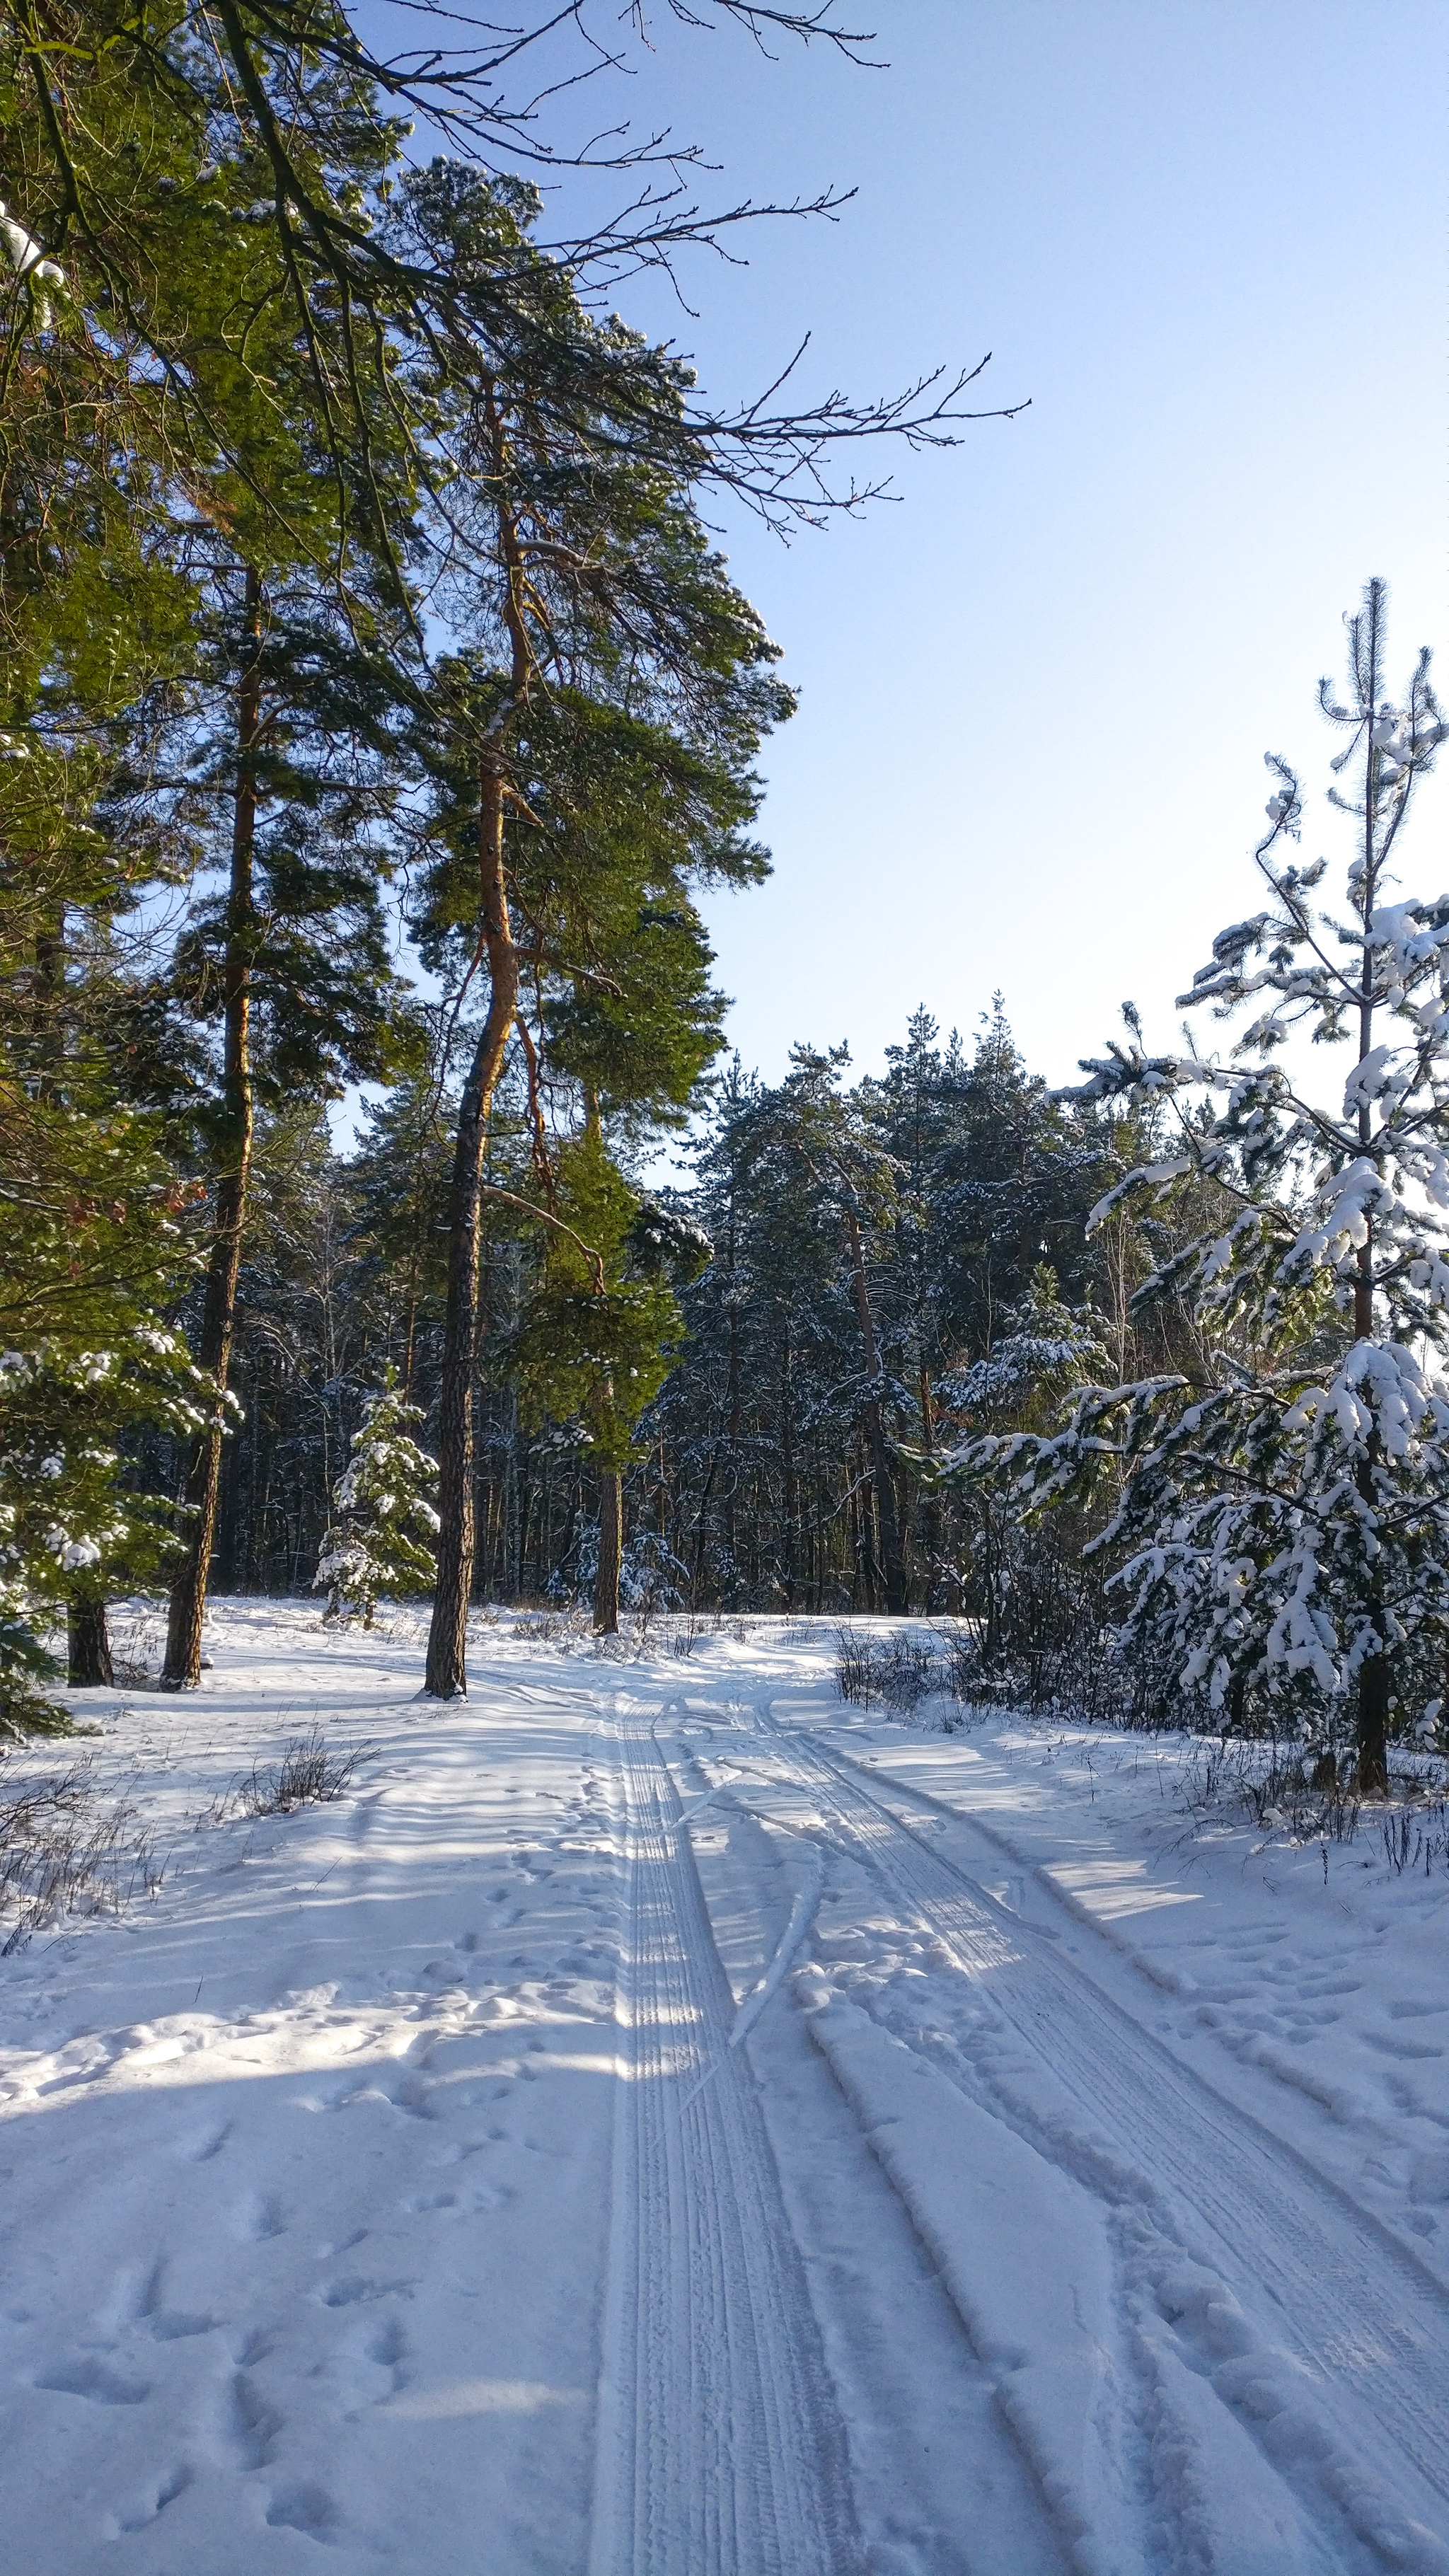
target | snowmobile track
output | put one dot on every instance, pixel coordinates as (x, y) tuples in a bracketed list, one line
[(720, 2451)]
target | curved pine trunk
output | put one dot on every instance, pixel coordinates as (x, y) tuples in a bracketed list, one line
[(887, 1508), (446, 1675)]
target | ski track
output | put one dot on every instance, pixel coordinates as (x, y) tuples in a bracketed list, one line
[(989, 2282), (1365, 2327), (720, 2449)]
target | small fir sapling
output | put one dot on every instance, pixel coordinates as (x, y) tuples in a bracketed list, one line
[(381, 1538), (1282, 1502)]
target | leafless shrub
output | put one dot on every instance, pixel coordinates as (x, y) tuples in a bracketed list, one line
[(1267, 1780), (799, 1632), (640, 1623), (1417, 1837), (309, 1770), (65, 1849), (562, 1628), (895, 1672), (855, 1674), (138, 1646), (962, 1675)]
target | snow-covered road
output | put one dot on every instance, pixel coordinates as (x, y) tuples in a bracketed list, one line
[(661, 2123)]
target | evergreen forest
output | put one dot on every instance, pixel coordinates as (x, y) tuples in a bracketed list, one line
[(379, 710)]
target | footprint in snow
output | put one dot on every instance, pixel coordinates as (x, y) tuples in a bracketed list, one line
[(165, 2491), (460, 2150), (414, 2098), (172, 2326), (167, 2325), (344, 2245), (92, 2380), (307, 2508), (259, 2217), (200, 2145), (388, 2347), (253, 2425), (348, 2293)]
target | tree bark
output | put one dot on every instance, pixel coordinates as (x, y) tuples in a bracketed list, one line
[(887, 1511), (1373, 1727), (730, 1588), (611, 1550), (88, 1648), (789, 1484), (446, 1675), (929, 1521), (182, 1669)]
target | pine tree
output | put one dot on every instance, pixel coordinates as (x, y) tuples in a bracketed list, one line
[(321, 384), (815, 1136), (290, 953), (591, 756), (381, 1538), (1283, 1492), (599, 1335)]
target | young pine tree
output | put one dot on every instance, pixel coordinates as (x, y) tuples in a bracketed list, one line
[(1283, 1498), (597, 1338), (381, 1539)]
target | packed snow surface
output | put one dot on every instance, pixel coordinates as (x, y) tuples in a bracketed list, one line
[(658, 2121)]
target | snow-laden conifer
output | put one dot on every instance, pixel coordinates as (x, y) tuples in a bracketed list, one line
[(1283, 1496), (1047, 1346), (381, 1537)]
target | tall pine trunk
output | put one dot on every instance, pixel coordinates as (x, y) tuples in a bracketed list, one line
[(611, 1551), (789, 1484), (447, 1674), (182, 1670), (886, 1508)]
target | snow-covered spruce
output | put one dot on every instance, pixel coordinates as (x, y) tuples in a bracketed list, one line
[(381, 1539), (1283, 1497)]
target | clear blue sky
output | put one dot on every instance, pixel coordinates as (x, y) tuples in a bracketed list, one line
[(1208, 239)]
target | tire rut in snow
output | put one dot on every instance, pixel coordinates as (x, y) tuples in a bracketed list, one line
[(1366, 2322), (720, 2448)]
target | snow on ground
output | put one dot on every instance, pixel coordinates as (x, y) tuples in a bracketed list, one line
[(661, 2120)]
